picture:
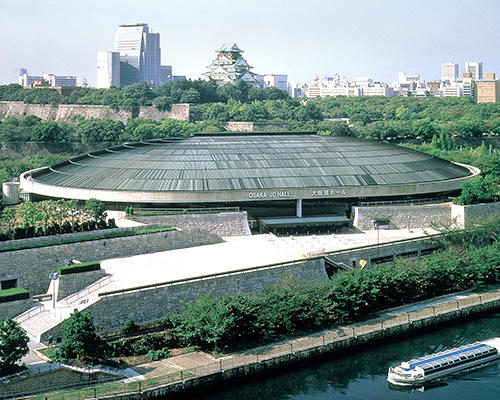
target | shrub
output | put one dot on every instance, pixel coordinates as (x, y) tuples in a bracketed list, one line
[(77, 268), (13, 294), (112, 223), (155, 355), (129, 326), (18, 233)]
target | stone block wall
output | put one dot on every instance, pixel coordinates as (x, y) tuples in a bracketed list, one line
[(13, 308), (72, 283), (33, 266), (147, 304), (68, 112), (57, 377), (462, 215), (402, 217), (222, 224), (90, 235)]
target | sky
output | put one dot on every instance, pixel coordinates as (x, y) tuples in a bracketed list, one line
[(299, 38)]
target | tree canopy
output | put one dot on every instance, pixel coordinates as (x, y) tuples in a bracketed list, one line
[(13, 346)]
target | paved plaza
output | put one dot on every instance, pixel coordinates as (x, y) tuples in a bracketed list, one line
[(237, 253)]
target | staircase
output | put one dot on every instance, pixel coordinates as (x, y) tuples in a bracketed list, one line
[(45, 316)]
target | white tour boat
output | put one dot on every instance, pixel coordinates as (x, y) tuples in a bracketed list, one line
[(438, 365)]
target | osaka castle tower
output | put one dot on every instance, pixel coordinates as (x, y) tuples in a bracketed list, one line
[(230, 67)]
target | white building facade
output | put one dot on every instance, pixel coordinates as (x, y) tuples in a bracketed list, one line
[(449, 72), (475, 69), (108, 69)]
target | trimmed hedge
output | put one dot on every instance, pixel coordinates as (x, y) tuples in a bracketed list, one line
[(77, 268), (13, 294)]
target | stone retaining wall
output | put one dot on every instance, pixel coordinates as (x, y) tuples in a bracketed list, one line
[(32, 266), (54, 378), (423, 216), (73, 283), (12, 308), (462, 215), (153, 303), (222, 224), (47, 240), (402, 217), (70, 112)]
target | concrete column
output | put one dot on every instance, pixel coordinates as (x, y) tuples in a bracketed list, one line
[(299, 208)]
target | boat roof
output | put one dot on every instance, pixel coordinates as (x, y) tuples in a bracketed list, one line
[(448, 355)]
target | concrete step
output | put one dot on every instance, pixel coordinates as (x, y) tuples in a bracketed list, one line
[(39, 323)]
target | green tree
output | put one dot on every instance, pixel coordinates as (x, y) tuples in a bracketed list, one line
[(80, 340), (13, 346), (206, 321), (47, 131), (96, 210), (479, 190)]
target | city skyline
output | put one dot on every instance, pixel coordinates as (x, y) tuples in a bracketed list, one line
[(299, 39)]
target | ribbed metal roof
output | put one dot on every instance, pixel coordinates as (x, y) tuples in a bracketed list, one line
[(206, 162)]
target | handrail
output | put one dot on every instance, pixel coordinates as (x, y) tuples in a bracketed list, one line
[(29, 313), (89, 289)]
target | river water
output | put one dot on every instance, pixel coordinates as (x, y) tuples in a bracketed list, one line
[(362, 374)]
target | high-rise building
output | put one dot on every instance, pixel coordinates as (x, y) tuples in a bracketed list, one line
[(230, 67), (166, 73), (140, 54), (476, 70), (108, 69), (487, 90), (449, 72), (278, 81)]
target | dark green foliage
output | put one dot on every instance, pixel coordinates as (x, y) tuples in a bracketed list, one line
[(479, 190), (139, 345), (468, 261), (129, 326), (13, 346), (79, 267), (79, 339), (111, 223), (13, 295)]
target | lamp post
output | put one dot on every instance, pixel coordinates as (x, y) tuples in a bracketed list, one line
[(53, 277)]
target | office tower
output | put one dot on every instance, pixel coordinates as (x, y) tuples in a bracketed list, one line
[(449, 72), (140, 54), (108, 69), (487, 90), (476, 70)]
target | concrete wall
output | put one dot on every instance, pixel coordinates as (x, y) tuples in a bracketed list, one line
[(152, 303), (66, 112), (402, 217), (32, 266), (222, 224)]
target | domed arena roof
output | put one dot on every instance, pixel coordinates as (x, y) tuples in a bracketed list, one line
[(246, 167)]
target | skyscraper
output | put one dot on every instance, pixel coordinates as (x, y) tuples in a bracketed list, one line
[(449, 72), (108, 69), (140, 54), (476, 70)]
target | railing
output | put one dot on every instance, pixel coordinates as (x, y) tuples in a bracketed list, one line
[(29, 313), (386, 320), (406, 202), (175, 211), (85, 292)]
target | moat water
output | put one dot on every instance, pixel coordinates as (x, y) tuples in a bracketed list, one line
[(362, 374)]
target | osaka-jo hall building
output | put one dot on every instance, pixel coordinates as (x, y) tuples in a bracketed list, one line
[(279, 178)]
